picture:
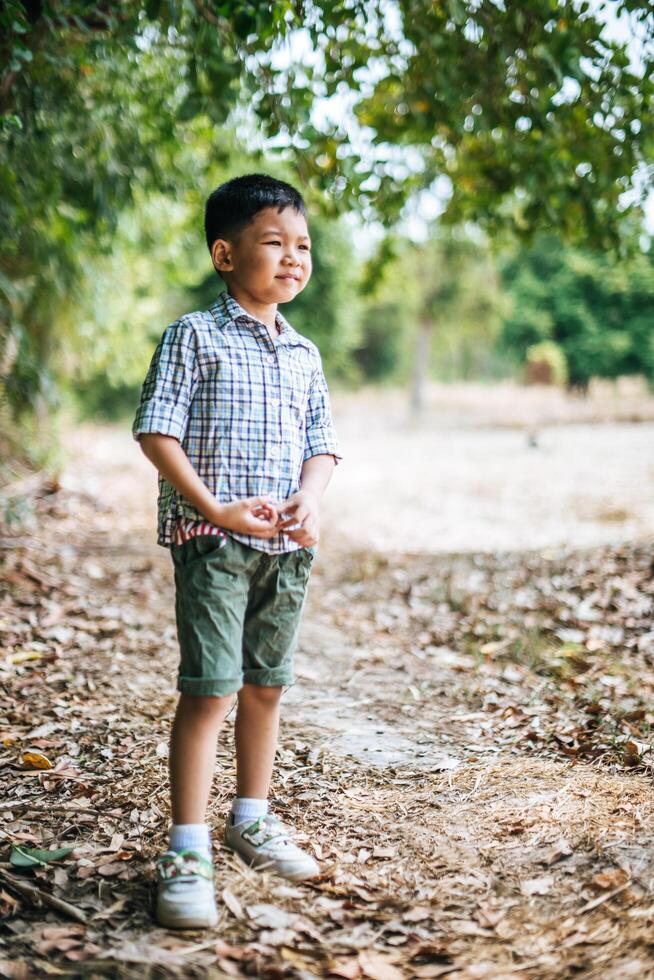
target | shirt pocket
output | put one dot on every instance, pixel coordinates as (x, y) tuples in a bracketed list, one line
[(299, 389)]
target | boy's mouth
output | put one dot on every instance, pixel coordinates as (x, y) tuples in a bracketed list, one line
[(295, 278)]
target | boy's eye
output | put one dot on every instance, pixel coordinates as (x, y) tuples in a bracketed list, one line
[(272, 243)]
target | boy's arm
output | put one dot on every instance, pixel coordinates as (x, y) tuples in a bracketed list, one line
[(253, 515), (321, 455), (160, 425), (167, 455), (316, 474)]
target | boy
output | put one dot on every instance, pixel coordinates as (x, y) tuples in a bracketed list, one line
[(235, 415)]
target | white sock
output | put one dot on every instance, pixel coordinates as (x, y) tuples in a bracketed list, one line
[(192, 837), (247, 808)]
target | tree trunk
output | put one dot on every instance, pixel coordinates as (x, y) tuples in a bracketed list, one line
[(421, 367)]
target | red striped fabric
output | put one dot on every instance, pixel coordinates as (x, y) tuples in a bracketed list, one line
[(187, 529)]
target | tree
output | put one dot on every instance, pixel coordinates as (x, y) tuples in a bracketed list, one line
[(601, 314), (535, 119)]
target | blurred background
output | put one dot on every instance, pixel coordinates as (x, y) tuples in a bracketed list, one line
[(479, 181)]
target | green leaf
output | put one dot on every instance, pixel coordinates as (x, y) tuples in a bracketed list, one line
[(28, 857)]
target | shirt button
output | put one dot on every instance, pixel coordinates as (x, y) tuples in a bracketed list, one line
[(272, 358), (274, 451), (274, 402)]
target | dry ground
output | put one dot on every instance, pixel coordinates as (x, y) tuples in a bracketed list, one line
[(467, 746)]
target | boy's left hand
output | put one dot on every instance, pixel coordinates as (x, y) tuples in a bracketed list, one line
[(305, 522)]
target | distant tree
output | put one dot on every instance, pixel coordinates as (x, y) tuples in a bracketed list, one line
[(430, 308), (600, 313)]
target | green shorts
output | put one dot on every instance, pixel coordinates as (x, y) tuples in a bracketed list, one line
[(238, 613)]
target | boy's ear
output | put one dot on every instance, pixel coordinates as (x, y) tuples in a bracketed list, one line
[(221, 255)]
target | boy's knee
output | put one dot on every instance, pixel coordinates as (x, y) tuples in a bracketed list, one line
[(261, 693), (206, 705)]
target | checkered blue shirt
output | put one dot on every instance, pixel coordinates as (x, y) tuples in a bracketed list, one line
[(247, 409)]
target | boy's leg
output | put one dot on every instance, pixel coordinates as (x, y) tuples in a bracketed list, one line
[(192, 761), (212, 586), (272, 622), (255, 732), (271, 627)]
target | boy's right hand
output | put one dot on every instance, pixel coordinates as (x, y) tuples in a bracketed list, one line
[(253, 515)]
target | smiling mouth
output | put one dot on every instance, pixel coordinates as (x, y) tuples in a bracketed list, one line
[(294, 278)]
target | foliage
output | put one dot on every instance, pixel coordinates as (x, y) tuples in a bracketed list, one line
[(159, 268), (329, 309), (545, 362), (600, 313), (447, 286), (526, 113), (530, 115)]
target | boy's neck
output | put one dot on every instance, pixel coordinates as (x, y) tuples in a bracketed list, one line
[(265, 312)]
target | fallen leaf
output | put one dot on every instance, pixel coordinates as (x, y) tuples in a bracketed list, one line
[(607, 880), (233, 904), (36, 760), (378, 967), (562, 849), (537, 886), (28, 857), (348, 968), (417, 914), (271, 916), (488, 915)]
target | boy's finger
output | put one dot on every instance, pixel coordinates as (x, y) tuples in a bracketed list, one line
[(288, 522)]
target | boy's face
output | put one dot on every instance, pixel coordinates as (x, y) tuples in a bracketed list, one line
[(271, 259)]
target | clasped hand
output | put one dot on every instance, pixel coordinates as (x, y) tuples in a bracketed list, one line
[(297, 517)]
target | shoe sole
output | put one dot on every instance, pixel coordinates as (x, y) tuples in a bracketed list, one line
[(186, 921), (265, 866)]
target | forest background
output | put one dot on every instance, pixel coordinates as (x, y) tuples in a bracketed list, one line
[(475, 172)]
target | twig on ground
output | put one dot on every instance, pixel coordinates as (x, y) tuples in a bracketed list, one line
[(38, 896)]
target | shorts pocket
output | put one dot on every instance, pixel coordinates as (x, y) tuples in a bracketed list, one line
[(197, 548)]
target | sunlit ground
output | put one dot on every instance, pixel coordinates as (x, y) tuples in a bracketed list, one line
[(482, 469)]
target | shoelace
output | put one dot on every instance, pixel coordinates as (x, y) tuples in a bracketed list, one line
[(266, 828), (184, 865)]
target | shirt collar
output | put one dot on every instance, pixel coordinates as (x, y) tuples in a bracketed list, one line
[(233, 310)]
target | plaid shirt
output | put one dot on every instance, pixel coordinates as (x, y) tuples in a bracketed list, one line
[(247, 409)]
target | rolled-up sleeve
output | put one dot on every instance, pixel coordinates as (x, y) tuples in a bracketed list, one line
[(170, 384), (321, 435)]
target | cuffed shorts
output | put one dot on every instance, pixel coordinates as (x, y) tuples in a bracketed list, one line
[(238, 613)]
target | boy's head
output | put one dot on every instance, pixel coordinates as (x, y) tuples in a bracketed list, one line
[(256, 231)]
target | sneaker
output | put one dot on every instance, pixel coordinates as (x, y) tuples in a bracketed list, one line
[(185, 891), (267, 843)]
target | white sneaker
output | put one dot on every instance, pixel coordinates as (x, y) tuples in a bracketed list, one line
[(185, 891), (266, 843)]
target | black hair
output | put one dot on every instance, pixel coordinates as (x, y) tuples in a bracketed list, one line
[(236, 203)]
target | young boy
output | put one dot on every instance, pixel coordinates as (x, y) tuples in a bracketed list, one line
[(235, 416)]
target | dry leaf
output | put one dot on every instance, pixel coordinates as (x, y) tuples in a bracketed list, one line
[(537, 886), (378, 967), (418, 914), (36, 760), (560, 850), (271, 916), (488, 915), (348, 968), (232, 904), (608, 880)]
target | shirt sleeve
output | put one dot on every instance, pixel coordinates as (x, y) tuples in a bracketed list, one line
[(320, 432), (170, 384)]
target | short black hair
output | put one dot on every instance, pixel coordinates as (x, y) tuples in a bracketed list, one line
[(234, 204)]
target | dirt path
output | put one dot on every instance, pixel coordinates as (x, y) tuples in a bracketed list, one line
[(466, 749)]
